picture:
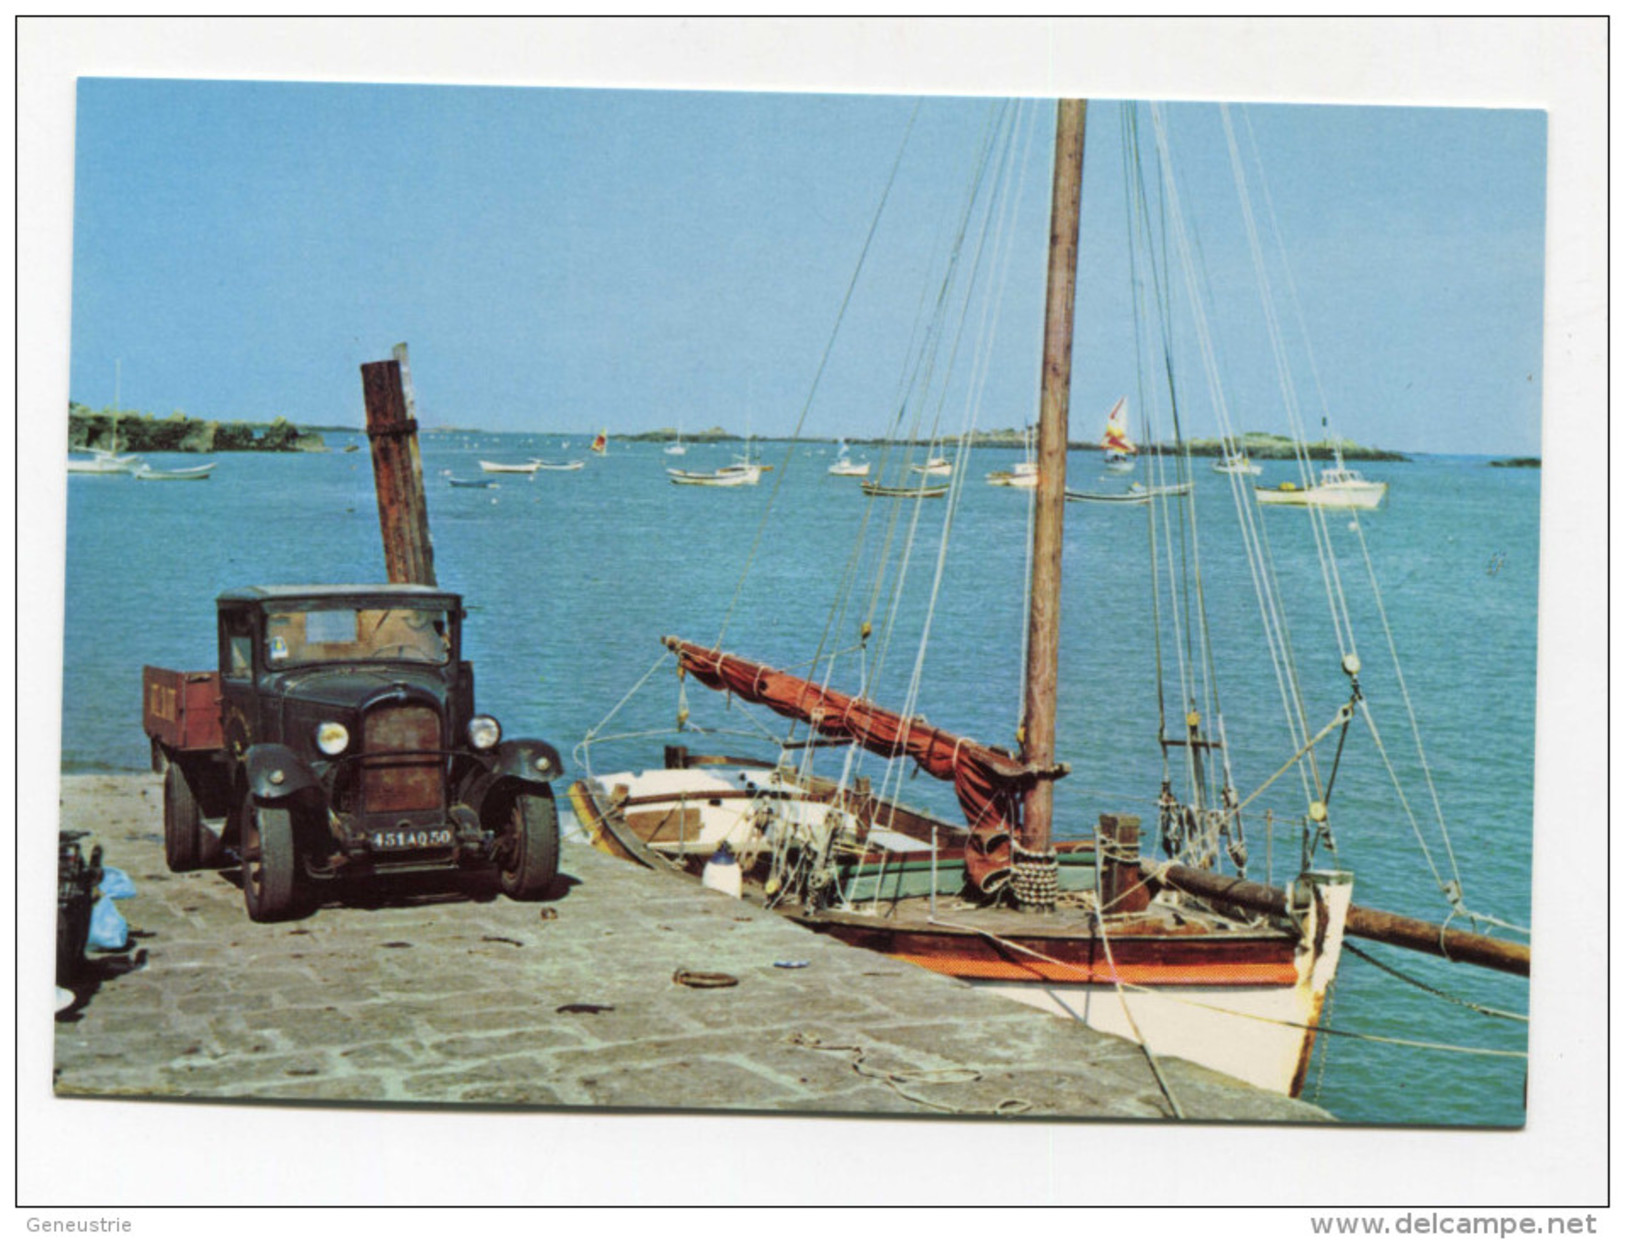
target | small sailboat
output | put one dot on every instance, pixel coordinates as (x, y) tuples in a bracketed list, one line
[(1237, 463), (600, 442), (678, 448), (194, 473), (1118, 447), (846, 467), (936, 467)]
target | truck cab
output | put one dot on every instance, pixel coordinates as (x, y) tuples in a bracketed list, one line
[(339, 739)]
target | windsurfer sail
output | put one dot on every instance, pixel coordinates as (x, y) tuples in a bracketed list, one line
[(1119, 448)]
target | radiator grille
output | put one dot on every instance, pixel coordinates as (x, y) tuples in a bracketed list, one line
[(409, 780)]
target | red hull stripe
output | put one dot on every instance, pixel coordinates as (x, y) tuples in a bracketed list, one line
[(1218, 974)]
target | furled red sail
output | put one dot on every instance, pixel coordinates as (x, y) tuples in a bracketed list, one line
[(988, 782)]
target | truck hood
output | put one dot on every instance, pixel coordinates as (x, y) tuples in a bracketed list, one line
[(347, 688)]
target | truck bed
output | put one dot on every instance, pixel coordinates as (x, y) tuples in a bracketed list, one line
[(181, 710)]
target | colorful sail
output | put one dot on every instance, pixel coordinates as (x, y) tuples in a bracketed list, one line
[(600, 442), (988, 782), (1116, 438)]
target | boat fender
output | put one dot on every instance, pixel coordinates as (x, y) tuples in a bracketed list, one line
[(1289, 486), (722, 874)]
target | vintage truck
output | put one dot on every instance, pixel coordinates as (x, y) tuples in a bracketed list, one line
[(338, 740)]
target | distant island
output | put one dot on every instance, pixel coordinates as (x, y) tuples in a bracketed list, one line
[(126, 431), (1517, 462), (1257, 444)]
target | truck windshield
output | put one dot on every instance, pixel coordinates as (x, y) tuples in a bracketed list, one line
[(296, 636)]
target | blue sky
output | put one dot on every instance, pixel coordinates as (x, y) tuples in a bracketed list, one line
[(563, 259)]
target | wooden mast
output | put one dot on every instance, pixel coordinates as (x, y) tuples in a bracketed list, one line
[(1044, 615)]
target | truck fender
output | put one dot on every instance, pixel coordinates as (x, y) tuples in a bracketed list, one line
[(276, 772), (526, 762), (534, 762)]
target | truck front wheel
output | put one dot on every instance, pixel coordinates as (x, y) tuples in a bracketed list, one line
[(188, 844), (270, 862), (529, 860)]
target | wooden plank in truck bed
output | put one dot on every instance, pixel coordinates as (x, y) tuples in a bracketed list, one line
[(181, 710)]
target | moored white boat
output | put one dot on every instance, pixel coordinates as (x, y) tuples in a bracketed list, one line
[(845, 466), (1237, 463), (1023, 475), (1137, 493), (194, 473), (727, 476), (500, 467), (104, 463), (936, 467), (1338, 487), (558, 466)]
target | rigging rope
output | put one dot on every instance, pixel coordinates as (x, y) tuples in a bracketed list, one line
[(823, 361)]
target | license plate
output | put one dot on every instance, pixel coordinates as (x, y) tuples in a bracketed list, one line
[(437, 837)]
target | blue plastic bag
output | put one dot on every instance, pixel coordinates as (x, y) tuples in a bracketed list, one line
[(108, 929), (116, 883)]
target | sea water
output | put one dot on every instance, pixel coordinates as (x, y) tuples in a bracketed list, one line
[(571, 578)]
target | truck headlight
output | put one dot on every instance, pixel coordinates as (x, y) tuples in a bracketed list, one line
[(484, 732), (332, 738)]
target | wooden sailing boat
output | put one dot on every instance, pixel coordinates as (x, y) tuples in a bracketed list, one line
[(1185, 959)]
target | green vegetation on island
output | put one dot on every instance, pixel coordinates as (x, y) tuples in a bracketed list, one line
[(1256, 444), (125, 431), (667, 434), (1262, 446), (1517, 462)]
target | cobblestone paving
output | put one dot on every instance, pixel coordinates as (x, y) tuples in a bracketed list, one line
[(424, 997)]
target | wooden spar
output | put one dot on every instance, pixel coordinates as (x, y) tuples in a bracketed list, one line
[(1044, 614), (397, 470), (1458, 946)]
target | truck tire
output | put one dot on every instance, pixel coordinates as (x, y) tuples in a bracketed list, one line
[(270, 862), (188, 844), (530, 849)]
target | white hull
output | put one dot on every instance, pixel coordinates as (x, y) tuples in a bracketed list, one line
[(102, 463), (846, 469), (496, 467), (198, 473), (1253, 1033), (730, 476), (1237, 465), (1368, 495)]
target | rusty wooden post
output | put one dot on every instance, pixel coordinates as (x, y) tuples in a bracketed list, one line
[(1117, 853), (397, 470)]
